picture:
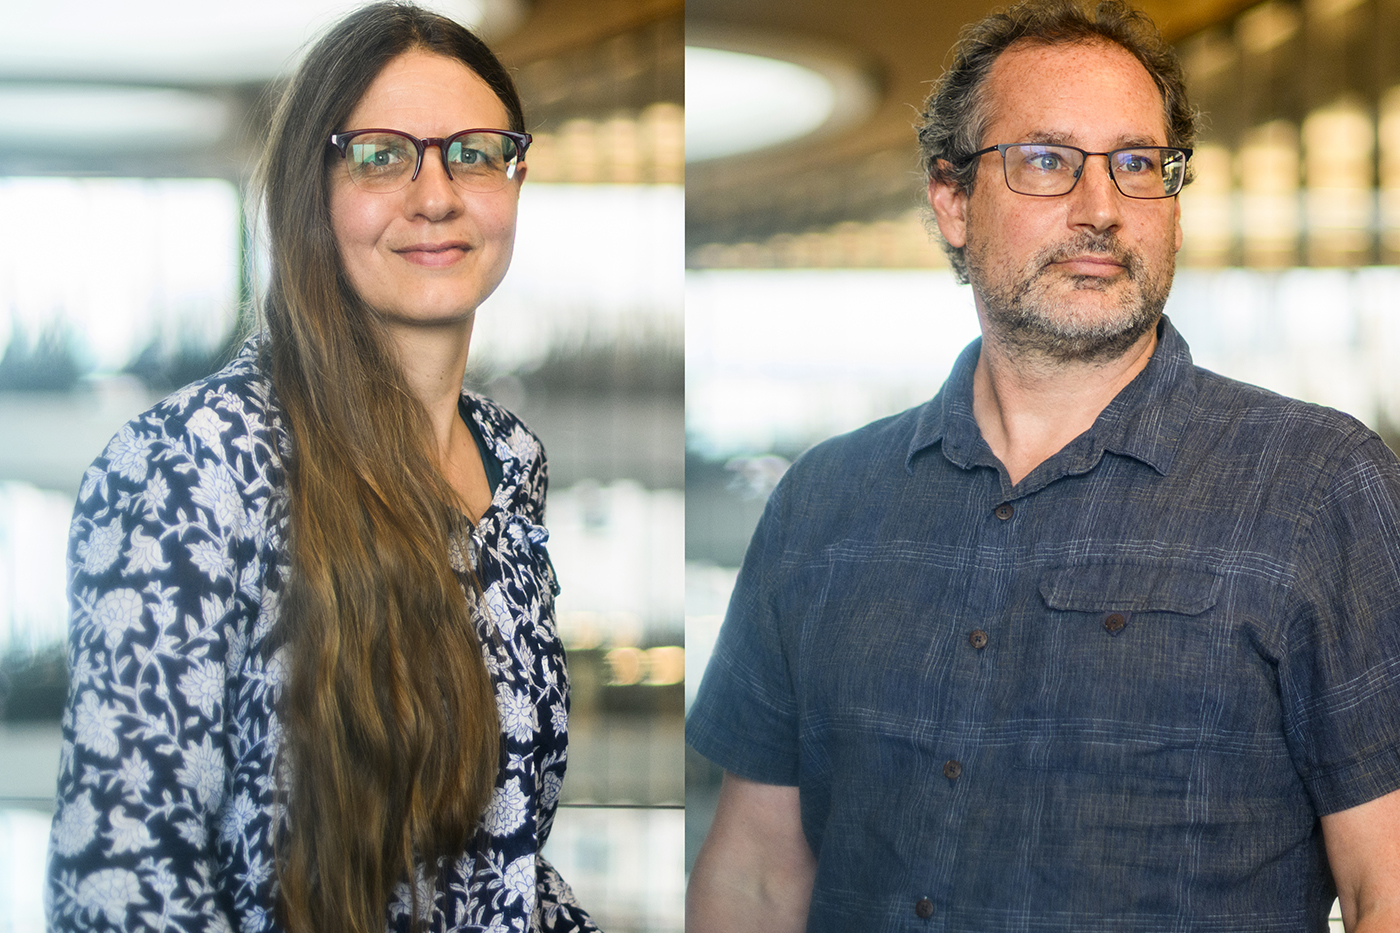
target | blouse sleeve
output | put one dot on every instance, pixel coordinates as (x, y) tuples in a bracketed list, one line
[(161, 583), (559, 911)]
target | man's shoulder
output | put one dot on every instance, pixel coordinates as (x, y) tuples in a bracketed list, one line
[(872, 449), (1250, 414)]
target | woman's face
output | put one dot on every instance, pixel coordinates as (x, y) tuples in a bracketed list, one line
[(430, 252)]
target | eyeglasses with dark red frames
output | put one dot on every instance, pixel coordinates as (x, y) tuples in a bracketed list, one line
[(480, 159)]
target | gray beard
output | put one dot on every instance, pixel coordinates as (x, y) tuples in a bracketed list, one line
[(1023, 317)]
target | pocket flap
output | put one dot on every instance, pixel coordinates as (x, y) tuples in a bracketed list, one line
[(1155, 586)]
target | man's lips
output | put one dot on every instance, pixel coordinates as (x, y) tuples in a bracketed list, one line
[(1086, 264), (434, 254)]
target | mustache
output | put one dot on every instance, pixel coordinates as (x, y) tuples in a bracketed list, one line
[(1104, 243)]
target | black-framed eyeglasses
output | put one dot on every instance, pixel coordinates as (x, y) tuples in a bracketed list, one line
[(1045, 171), (479, 160)]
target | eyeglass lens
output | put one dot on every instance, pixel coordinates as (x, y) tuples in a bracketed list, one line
[(1046, 171), (480, 162)]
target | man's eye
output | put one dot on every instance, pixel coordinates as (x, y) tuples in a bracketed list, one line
[(1136, 162), (1046, 162)]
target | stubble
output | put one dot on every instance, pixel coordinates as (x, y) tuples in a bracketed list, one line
[(1029, 318)]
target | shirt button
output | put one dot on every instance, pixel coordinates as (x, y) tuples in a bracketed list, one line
[(952, 770), (1004, 511), (1115, 622), (978, 639), (923, 907)]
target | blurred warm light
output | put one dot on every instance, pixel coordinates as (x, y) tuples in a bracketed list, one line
[(665, 665), (738, 102), (1326, 9), (1267, 167), (1207, 55), (654, 667), (645, 148), (1206, 221), (1339, 143), (1267, 26), (627, 666), (902, 242), (1388, 138)]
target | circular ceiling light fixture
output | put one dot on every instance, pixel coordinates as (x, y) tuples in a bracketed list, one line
[(744, 93)]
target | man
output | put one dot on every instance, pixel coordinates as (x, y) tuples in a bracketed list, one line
[(1095, 640)]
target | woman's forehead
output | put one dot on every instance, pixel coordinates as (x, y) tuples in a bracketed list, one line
[(436, 93)]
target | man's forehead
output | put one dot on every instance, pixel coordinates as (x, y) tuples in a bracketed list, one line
[(1056, 93)]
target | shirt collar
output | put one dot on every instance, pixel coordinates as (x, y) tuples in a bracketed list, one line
[(1144, 421)]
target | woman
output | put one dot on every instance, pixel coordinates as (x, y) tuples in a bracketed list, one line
[(315, 679)]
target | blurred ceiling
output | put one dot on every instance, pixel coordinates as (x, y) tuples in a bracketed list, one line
[(864, 171), (179, 89)]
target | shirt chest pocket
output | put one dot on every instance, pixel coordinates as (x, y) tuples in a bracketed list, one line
[(1113, 664)]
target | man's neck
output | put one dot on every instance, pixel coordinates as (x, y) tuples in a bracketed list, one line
[(1028, 407)]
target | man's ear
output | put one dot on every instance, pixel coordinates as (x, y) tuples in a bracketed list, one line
[(949, 203)]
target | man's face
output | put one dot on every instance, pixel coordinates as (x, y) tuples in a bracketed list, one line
[(1084, 275)]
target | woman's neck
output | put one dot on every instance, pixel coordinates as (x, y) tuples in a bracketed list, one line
[(434, 360)]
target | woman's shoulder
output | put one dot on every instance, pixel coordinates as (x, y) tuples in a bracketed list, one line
[(220, 432), (229, 415)]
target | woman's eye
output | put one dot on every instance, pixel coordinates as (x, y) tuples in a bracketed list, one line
[(377, 154)]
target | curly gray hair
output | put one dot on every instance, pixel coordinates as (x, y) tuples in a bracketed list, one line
[(956, 113)]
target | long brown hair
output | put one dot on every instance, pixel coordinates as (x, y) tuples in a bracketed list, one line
[(390, 738)]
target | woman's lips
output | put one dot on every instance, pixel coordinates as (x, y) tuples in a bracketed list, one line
[(434, 254)]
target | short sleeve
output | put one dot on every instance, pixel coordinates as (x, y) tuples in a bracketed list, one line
[(744, 717), (158, 568), (1340, 670)]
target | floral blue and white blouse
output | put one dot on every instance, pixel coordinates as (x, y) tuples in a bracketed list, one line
[(167, 802)]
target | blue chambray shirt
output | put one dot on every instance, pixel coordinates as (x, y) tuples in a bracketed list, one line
[(1114, 696)]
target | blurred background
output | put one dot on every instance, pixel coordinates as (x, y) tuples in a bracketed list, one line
[(816, 301), (128, 269)]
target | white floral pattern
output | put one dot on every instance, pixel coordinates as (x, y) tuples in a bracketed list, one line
[(167, 804)]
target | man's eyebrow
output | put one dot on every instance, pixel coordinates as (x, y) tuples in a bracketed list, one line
[(1058, 138), (1048, 138)]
